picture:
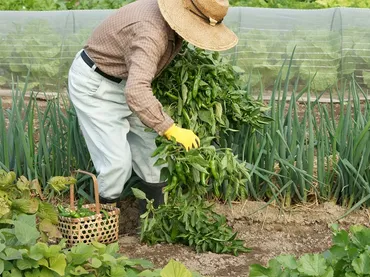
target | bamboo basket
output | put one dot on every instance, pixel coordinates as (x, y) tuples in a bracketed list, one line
[(91, 228)]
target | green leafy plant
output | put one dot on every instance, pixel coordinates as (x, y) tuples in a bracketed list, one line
[(47, 5), (190, 221), (306, 152), (343, 3), (21, 254), (35, 51), (79, 211), (262, 53), (45, 55), (203, 171), (349, 256), (41, 141), (187, 217), (36, 55), (26, 226), (114, 4), (201, 92), (21, 196), (301, 4)]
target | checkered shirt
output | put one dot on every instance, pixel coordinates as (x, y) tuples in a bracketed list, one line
[(136, 44)]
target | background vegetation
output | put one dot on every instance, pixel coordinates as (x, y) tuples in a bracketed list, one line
[(113, 4)]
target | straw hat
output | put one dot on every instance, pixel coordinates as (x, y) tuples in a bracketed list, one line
[(200, 22)]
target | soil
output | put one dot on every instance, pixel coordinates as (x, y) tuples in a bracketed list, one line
[(268, 230)]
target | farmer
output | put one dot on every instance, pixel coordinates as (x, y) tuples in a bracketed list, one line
[(110, 86)]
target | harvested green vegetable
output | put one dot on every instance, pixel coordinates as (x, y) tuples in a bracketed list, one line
[(79, 212), (191, 221), (203, 171), (201, 92)]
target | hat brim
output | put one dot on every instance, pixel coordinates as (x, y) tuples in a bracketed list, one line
[(194, 29)]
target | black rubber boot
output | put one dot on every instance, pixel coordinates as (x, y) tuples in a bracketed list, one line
[(116, 202), (152, 191)]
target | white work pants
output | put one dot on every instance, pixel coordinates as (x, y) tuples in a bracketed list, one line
[(116, 138)]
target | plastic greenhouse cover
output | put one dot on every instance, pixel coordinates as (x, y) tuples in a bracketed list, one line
[(329, 44)]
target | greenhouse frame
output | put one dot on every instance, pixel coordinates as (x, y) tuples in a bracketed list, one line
[(329, 45)]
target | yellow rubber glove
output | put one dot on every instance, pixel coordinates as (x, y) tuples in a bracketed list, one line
[(184, 136)]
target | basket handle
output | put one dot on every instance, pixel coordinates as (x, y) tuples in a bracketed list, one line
[(96, 192)]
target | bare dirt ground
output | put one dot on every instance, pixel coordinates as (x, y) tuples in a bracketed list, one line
[(268, 232)]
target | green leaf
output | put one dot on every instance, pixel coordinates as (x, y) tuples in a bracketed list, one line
[(138, 262), (59, 183), (108, 258), (351, 274), (102, 248), (80, 253), (111, 248), (287, 261), (206, 116), (218, 112), (26, 264), (362, 264), (160, 161), (58, 264), (4, 207), (119, 271), (38, 251), (48, 227), (165, 173), (361, 236), (149, 273), (10, 254), (52, 251), (27, 206), (2, 246), (175, 269), (78, 271), (1, 266), (95, 262), (34, 273), (47, 211), (199, 168), (341, 238), (43, 262), (338, 251), (14, 272), (138, 193), (46, 272), (257, 270), (25, 229), (274, 267), (329, 273), (312, 265)]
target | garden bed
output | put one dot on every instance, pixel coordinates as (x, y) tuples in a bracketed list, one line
[(268, 232)]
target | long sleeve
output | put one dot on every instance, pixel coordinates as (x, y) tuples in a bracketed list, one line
[(147, 49)]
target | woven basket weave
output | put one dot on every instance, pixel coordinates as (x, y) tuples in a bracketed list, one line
[(91, 228)]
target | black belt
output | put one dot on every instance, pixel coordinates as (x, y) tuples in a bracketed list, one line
[(90, 63)]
